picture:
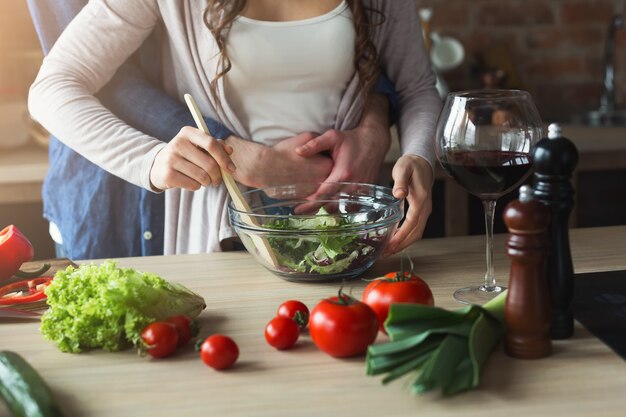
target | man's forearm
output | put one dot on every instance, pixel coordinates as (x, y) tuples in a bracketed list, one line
[(140, 104), (249, 157), (377, 117)]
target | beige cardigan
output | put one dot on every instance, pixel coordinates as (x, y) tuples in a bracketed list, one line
[(107, 32)]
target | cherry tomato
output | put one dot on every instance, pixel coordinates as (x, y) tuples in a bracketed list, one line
[(343, 326), (160, 338), (296, 310), (282, 332), (396, 288), (219, 351), (185, 326)]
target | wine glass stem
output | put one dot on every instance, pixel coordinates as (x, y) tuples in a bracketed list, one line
[(490, 209)]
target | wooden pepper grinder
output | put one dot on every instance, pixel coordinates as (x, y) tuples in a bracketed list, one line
[(554, 159), (527, 309)]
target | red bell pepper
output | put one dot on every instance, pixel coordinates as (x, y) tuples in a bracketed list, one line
[(27, 291), (15, 249)]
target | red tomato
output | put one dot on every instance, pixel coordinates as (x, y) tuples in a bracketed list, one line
[(219, 351), (343, 326), (295, 310), (396, 288), (185, 327), (282, 332), (160, 338)]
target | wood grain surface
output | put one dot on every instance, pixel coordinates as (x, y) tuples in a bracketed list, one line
[(583, 377)]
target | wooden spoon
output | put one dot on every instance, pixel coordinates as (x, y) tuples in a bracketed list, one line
[(240, 203)]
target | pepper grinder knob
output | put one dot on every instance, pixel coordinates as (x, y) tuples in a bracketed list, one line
[(554, 155), (554, 131), (555, 159), (527, 310)]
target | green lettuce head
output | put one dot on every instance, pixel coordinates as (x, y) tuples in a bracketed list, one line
[(103, 306)]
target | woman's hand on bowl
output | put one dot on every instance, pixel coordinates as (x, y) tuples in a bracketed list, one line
[(413, 178)]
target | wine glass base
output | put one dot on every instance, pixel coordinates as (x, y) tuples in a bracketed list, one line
[(477, 295)]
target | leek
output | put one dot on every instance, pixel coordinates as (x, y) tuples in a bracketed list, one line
[(445, 349)]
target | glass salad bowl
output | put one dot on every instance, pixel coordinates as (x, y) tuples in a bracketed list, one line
[(317, 232)]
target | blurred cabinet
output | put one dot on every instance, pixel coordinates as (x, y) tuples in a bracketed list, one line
[(22, 171)]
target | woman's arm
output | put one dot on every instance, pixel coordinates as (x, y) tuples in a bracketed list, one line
[(134, 100), (404, 59), (85, 57), (129, 95)]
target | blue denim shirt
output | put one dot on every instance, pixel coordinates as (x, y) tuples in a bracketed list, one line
[(100, 215)]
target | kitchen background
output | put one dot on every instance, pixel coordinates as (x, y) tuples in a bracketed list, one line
[(555, 49)]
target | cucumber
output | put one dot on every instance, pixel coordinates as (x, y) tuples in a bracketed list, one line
[(22, 388)]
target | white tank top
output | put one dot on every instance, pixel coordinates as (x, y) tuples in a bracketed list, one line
[(288, 77)]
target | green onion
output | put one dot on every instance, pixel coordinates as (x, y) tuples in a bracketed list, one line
[(446, 349)]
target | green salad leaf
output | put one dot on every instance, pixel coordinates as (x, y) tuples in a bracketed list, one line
[(104, 306), (329, 252)]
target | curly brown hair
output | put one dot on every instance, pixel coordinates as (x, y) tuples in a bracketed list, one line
[(219, 15)]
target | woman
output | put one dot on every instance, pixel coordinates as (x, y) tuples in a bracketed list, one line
[(267, 69)]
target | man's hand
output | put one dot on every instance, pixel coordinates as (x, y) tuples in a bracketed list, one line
[(358, 154), (262, 166), (413, 177)]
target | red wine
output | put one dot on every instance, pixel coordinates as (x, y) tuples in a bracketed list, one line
[(487, 174)]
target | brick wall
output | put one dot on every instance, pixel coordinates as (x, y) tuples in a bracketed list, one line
[(555, 47), (552, 48)]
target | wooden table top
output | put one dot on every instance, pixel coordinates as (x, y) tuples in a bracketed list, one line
[(583, 377)]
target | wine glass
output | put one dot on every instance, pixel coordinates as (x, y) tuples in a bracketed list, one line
[(484, 141)]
